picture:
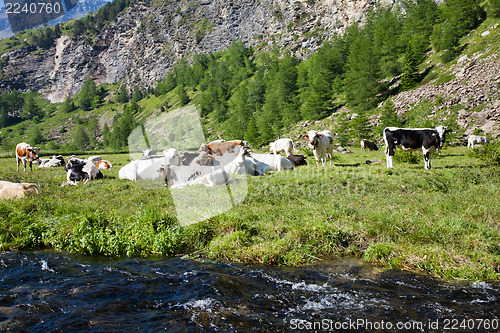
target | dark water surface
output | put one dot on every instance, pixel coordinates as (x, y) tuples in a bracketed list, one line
[(52, 292)]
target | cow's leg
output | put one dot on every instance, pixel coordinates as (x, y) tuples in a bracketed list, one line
[(24, 164), (427, 158), (389, 155), (17, 161), (316, 157)]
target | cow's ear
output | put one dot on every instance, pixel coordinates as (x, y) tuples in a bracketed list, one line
[(320, 135), (305, 136)]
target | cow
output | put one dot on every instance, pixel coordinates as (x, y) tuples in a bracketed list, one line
[(148, 167), (482, 140), (220, 148), (94, 159), (411, 139), (80, 170), (178, 177), (26, 153), (322, 145), (370, 145), (203, 159), (10, 190), (54, 161), (103, 165), (281, 145), (262, 163), (297, 160)]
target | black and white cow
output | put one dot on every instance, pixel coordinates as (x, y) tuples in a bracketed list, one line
[(81, 170), (410, 139)]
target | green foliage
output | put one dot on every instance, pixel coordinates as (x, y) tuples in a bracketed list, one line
[(80, 138), (493, 8), (122, 128), (67, 106), (35, 136), (420, 115), (407, 157), (87, 94), (489, 154), (410, 77), (122, 96), (30, 108), (362, 74), (457, 18), (182, 95), (389, 117)]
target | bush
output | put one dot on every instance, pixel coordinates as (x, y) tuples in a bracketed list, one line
[(489, 154), (406, 157)]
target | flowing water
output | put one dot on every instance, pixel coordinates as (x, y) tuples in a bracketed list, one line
[(46, 291)]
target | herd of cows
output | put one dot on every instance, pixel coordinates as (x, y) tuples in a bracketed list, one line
[(217, 161)]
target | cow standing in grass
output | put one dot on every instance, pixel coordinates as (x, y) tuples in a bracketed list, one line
[(476, 139), (322, 145), (26, 153), (411, 139), (281, 145)]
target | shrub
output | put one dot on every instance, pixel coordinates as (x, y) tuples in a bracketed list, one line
[(489, 154), (406, 157)]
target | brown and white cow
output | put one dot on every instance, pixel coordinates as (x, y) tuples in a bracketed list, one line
[(26, 153), (103, 165), (220, 148), (367, 144), (10, 190)]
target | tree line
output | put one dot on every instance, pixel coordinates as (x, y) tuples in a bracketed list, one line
[(257, 96)]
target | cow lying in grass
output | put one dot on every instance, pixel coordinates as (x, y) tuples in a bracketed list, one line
[(80, 170), (10, 190)]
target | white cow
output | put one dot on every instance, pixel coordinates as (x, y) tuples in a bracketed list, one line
[(281, 145), (149, 168), (262, 163), (54, 161), (207, 176), (476, 139), (322, 145)]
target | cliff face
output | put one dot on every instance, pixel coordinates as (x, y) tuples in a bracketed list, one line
[(149, 37)]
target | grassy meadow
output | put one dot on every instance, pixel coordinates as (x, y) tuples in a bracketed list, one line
[(443, 222)]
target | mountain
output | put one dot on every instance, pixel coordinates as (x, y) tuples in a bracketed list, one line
[(148, 37), (80, 10)]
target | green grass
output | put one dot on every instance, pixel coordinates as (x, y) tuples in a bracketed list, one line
[(443, 222)]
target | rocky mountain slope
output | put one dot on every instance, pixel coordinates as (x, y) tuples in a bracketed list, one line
[(80, 10), (150, 36)]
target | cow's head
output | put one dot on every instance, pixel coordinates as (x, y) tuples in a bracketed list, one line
[(442, 134), (312, 138), (32, 153)]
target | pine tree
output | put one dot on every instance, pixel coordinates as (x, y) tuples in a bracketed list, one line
[(80, 139), (87, 94), (30, 109), (122, 95), (362, 75), (410, 77), (183, 96), (252, 134), (137, 94), (106, 135), (67, 106)]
